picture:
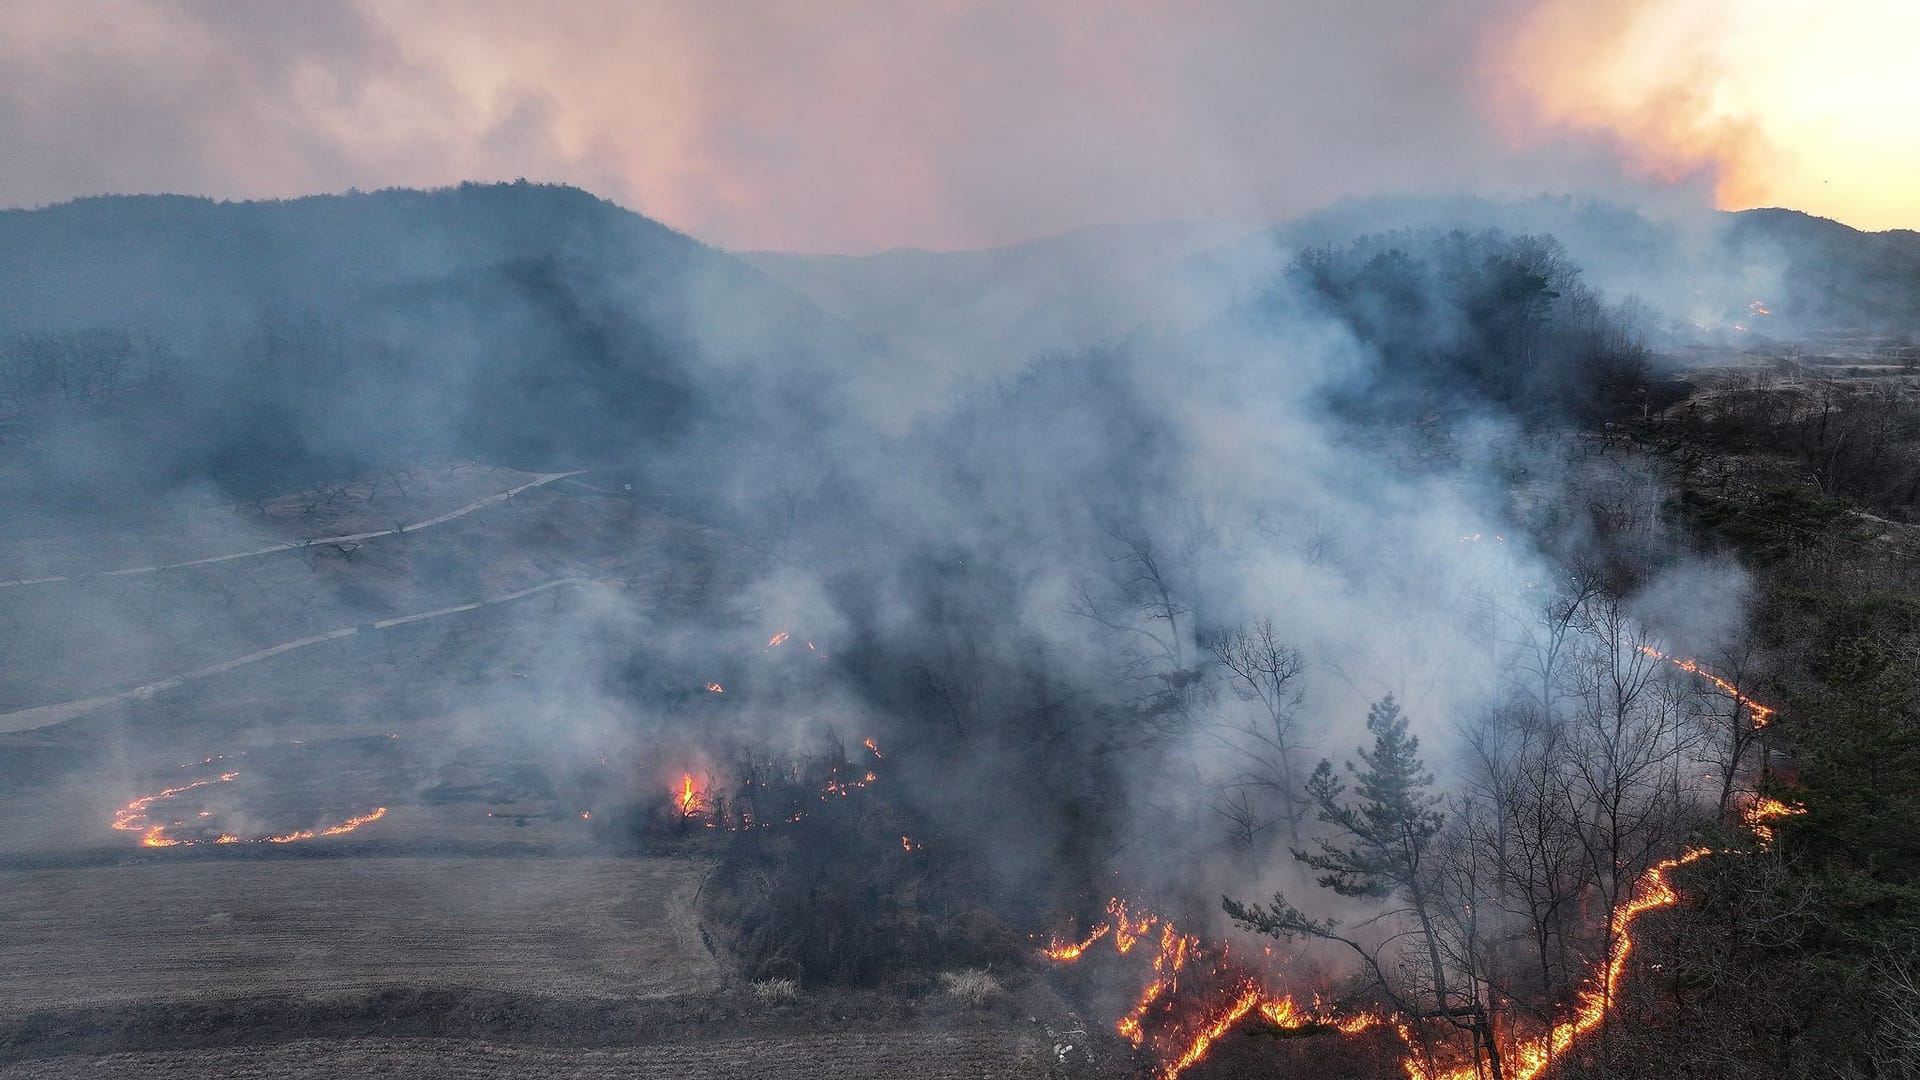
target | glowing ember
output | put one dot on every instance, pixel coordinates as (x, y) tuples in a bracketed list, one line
[(1761, 713)]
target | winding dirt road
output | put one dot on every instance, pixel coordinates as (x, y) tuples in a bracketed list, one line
[(349, 538), (44, 715)]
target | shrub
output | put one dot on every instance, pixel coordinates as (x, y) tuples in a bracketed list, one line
[(776, 991), (975, 986)]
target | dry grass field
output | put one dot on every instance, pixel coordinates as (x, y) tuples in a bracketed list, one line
[(481, 928), (214, 929), (972, 1054)]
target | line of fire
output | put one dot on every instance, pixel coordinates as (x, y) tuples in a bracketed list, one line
[(1179, 996)]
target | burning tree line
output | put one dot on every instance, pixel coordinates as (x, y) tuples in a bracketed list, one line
[(1495, 912), (1170, 750)]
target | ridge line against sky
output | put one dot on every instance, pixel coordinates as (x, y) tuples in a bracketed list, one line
[(866, 126)]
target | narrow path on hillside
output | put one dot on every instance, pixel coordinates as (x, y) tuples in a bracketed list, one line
[(43, 715), (296, 545)]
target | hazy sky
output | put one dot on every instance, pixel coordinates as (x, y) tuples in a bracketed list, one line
[(855, 126)]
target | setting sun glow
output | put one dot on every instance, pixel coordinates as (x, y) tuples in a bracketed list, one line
[(1773, 102)]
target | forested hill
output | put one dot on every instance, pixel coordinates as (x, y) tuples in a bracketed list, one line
[(146, 339), (1842, 278)]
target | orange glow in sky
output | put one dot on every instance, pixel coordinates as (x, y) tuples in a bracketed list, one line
[(1793, 103), (859, 125)]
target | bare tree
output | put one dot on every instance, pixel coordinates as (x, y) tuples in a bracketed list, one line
[(1139, 606), (1627, 757), (1264, 672)]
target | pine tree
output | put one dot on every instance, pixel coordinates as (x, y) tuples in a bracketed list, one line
[(1376, 848)]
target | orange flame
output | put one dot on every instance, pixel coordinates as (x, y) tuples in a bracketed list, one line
[(874, 750), (1249, 997), (133, 818), (1761, 713), (1533, 1055), (1062, 949), (1179, 1045), (689, 797), (341, 829), (715, 688), (1760, 816), (1528, 1060), (1166, 974), (778, 639), (1126, 933)]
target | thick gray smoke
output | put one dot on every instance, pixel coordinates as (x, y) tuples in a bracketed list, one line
[(1020, 560)]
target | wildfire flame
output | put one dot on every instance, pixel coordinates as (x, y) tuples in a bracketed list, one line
[(1758, 308), (1651, 892), (1178, 1045), (1760, 816), (341, 829), (1180, 1040), (1126, 933), (1166, 972), (872, 749), (690, 801), (778, 639), (1244, 1004), (1062, 949), (133, 818), (715, 688), (1761, 714)]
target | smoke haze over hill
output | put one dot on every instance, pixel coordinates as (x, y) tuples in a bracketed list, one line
[(865, 126)]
